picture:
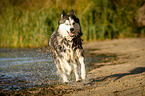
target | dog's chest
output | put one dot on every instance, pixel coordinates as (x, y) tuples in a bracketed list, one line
[(68, 49), (68, 53)]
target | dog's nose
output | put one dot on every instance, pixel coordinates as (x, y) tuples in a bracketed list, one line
[(71, 29)]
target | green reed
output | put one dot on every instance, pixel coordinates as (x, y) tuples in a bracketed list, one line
[(22, 25), (23, 28)]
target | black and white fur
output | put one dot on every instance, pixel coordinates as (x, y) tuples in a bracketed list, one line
[(66, 46)]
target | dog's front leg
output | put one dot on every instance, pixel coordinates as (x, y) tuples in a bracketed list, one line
[(75, 72), (83, 70), (65, 80), (63, 72)]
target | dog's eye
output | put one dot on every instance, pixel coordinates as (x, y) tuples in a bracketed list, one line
[(73, 23)]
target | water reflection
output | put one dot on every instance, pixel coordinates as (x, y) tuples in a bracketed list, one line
[(20, 69)]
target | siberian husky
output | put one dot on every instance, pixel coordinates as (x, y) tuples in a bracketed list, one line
[(66, 46)]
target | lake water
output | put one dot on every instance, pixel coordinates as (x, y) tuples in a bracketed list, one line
[(20, 69)]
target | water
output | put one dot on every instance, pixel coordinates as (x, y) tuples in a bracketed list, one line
[(26, 68), (20, 69)]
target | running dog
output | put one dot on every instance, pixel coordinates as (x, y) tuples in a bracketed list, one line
[(66, 46)]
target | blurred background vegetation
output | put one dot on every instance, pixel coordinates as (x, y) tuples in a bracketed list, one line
[(29, 23)]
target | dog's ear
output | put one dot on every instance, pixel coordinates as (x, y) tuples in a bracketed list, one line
[(72, 13), (63, 14)]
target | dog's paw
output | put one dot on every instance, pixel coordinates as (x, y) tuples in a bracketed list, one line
[(65, 82), (79, 80)]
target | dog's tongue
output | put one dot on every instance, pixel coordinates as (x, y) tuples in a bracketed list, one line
[(71, 34)]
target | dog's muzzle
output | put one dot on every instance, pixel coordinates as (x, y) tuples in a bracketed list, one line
[(71, 33)]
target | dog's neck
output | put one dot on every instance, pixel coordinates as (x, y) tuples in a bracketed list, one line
[(75, 42), (69, 39), (62, 39)]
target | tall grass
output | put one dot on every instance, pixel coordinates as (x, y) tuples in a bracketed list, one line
[(107, 20), (23, 28), (29, 23)]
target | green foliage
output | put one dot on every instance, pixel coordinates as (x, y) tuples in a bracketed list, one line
[(27, 23)]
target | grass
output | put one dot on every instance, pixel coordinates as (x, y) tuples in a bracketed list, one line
[(27, 23)]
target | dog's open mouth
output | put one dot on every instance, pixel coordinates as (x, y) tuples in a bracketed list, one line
[(71, 34)]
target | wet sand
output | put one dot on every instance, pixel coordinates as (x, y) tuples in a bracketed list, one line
[(114, 68)]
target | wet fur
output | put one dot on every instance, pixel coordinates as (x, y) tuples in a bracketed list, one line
[(67, 47)]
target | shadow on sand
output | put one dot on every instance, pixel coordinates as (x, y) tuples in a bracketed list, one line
[(137, 70), (95, 59)]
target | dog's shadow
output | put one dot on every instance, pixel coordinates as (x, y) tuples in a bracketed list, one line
[(137, 70)]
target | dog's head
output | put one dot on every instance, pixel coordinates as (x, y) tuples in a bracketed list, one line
[(69, 26)]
